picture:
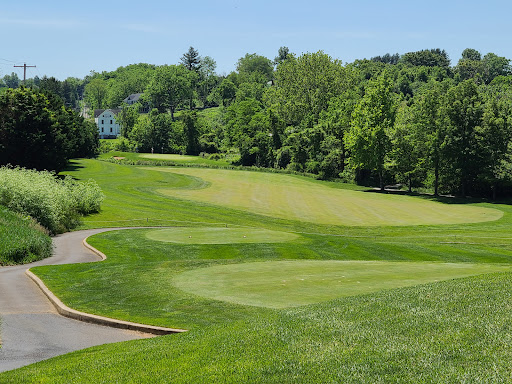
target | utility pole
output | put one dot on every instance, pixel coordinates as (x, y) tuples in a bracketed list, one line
[(24, 66)]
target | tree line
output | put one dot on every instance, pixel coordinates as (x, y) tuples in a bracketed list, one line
[(412, 119)]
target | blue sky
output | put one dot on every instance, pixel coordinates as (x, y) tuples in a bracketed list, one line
[(68, 38)]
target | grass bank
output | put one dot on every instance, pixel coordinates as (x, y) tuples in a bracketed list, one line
[(22, 240)]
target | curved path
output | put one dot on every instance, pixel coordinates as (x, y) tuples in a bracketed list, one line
[(31, 328)]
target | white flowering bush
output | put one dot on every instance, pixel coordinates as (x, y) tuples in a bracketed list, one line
[(55, 204)]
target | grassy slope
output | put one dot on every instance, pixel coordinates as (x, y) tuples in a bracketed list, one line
[(442, 332), (21, 240)]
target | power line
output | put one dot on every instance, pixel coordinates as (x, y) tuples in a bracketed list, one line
[(10, 61)]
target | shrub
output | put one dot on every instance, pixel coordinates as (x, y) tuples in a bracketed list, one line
[(55, 204), (215, 156)]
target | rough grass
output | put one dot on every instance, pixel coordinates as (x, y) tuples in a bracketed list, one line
[(294, 198), (163, 159), (21, 239)]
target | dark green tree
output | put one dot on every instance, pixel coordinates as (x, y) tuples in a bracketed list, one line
[(191, 59), (427, 58), (462, 112), (37, 131), (191, 133)]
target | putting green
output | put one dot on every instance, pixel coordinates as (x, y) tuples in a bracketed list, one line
[(282, 284), (168, 156), (296, 198), (219, 235)]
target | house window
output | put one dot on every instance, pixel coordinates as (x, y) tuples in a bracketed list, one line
[(102, 121), (110, 121), (110, 129), (102, 130)]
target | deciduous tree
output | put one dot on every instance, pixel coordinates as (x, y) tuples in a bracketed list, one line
[(368, 138)]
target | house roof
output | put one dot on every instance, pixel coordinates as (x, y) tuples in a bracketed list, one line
[(98, 112), (134, 97)]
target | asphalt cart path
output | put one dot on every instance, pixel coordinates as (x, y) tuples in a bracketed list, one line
[(31, 329)]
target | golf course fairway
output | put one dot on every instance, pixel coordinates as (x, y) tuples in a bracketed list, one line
[(293, 198), (291, 283)]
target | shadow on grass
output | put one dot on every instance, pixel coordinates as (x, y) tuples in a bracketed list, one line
[(73, 165), (446, 199)]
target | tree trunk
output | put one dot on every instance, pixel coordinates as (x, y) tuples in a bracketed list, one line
[(381, 181), (436, 180)]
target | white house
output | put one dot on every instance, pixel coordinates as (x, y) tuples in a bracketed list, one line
[(105, 119)]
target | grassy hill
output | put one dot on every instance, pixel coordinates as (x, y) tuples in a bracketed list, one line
[(281, 296)]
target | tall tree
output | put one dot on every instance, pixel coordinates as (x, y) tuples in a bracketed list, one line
[(494, 66), (253, 67), (169, 87), (368, 138), (462, 112), (430, 129), (191, 59), (305, 85), (282, 55), (496, 132), (96, 93), (207, 79), (191, 133), (408, 147)]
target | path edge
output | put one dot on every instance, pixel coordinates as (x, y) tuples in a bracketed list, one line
[(64, 310)]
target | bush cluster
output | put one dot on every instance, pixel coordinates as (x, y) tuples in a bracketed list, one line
[(54, 203), (22, 240)]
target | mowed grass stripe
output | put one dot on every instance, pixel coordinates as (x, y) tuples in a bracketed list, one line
[(291, 283), (294, 198)]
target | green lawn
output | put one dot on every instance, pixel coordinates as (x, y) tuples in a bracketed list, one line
[(284, 284), (398, 324)]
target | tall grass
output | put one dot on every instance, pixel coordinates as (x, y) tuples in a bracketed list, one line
[(22, 240), (55, 204)]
